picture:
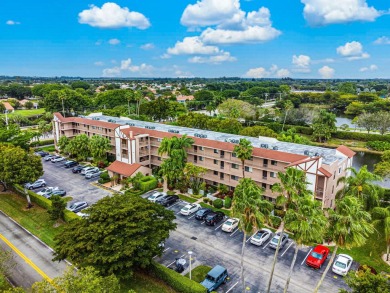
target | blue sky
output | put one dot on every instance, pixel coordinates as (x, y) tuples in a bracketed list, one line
[(204, 38)]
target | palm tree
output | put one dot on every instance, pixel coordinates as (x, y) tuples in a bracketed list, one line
[(361, 185), (99, 146), (130, 98), (251, 209), (381, 216), (349, 226), (244, 152), (288, 105), (292, 185), (308, 223), (138, 97)]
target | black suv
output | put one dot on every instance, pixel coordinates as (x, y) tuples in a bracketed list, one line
[(77, 169), (202, 213), (168, 200), (70, 164), (214, 217)]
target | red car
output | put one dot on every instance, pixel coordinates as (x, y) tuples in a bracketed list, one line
[(317, 257)]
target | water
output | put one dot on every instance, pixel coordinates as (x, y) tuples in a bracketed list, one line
[(344, 120), (362, 158)]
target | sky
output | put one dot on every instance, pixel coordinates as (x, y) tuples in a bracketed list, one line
[(189, 38)]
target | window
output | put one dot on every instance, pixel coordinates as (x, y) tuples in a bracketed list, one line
[(339, 170), (109, 130), (200, 158), (159, 158), (215, 172), (216, 151), (274, 163), (332, 188), (248, 169), (234, 166), (264, 174), (251, 158), (215, 162), (272, 174), (264, 186), (234, 155), (93, 127), (234, 177), (201, 148), (265, 162), (159, 139), (334, 175)]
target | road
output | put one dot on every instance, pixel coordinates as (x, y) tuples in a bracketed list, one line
[(32, 257)]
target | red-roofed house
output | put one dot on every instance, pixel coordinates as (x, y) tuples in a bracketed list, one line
[(8, 107)]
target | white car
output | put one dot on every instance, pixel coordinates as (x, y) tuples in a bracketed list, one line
[(342, 264), (230, 225), (92, 174), (261, 236), (82, 215), (156, 196), (47, 191), (57, 159), (89, 169), (190, 209)]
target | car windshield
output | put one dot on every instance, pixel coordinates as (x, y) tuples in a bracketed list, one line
[(229, 223), (259, 234), (185, 209), (340, 265), (210, 278), (316, 255), (275, 240)]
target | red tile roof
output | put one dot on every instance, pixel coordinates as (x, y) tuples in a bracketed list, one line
[(104, 124), (325, 172), (226, 146), (8, 106), (346, 151), (123, 168), (305, 160)]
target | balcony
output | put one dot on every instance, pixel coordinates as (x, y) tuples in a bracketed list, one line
[(319, 193)]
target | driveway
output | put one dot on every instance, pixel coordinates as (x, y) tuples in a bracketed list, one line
[(75, 185)]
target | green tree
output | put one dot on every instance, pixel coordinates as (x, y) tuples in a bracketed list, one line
[(383, 167), (122, 232), (58, 205), (79, 84), (79, 147), (381, 216), (130, 98), (291, 135), (307, 222), (324, 125), (29, 105), (99, 146), (383, 124), (63, 142), (348, 226), (193, 175), (243, 151), (256, 131), (251, 209), (18, 166), (86, 280), (368, 121), (361, 185), (232, 108), (287, 106)]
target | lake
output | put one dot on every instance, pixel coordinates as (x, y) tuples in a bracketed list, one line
[(362, 158)]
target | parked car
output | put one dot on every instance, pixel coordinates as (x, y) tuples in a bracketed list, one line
[(59, 192), (214, 217), (202, 213), (156, 196), (190, 209), (92, 174), (317, 257), (78, 169), (70, 164), (88, 169), (261, 236), (342, 264), (83, 215), (230, 225), (274, 242), (49, 157), (78, 206), (215, 278), (168, 200), (37, 184), (57, 159), (46, 192), (41, 153)]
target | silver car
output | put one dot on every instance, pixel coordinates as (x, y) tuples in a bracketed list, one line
[(88, 169), (78, 206), (274, 242), (261, 236), (92, 174)]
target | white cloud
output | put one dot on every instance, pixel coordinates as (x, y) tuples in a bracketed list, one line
[(352, 51), (301, 63), (259, 72), (114, 42), (382, 41), (12, 22), (326, 72), (192, 45), (326, 60), (111, 15), (273, 71), (372, 67), (216, 59), (99, 63), (148, 46), (283, 73), (227, 24), (126, 66), (323, 12), (165, 56)]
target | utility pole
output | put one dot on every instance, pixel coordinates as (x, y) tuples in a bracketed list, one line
[(6, 118)]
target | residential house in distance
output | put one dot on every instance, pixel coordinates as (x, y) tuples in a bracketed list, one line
[(183, 99), (8, 107), (135, 147)]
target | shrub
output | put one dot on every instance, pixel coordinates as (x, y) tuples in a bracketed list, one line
[(228, 202), (361, 136), (104, 178), (205, 200), (175, 280), (41, 142), (379, 145), (58, 206), (218, 203), (170, 192), (133, 192), (147, 183), (70, 216), (275, 221)]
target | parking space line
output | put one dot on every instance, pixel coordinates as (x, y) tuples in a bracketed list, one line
[(192, 216), (231, 288), (248, 239), (174, 261), (174, 205), (166, 249), (306, 256), (292, 242), (218, 227), (267, 244), (234, 232), (178, 213), (203, 222)]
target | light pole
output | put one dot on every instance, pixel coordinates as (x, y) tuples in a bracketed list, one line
[(190, 254)]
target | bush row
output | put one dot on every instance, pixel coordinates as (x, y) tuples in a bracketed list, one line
[(41, 142), (175, 280), (132, 192), (361, 136), (379, 145), (148, 183)]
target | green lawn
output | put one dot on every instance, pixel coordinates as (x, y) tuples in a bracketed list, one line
[(199, 273), (144, 283), (187, 198), (36, 220), (205, 205), (27, 113)]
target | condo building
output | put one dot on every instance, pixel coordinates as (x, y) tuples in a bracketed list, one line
[(135, 149)]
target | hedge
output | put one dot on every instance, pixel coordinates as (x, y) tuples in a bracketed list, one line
[(148, 183), (379, 145), (218, 203), (41, 142), (361, 136), (133, 192), (175, 280), (228, 202), (104, 178), (70, 216), (275, 221)]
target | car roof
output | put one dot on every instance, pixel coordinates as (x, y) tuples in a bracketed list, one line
[(320, 248), (343, 258), (216, 271)]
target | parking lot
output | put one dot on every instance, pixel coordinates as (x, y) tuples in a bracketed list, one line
[(75, 185), (211, 246)]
